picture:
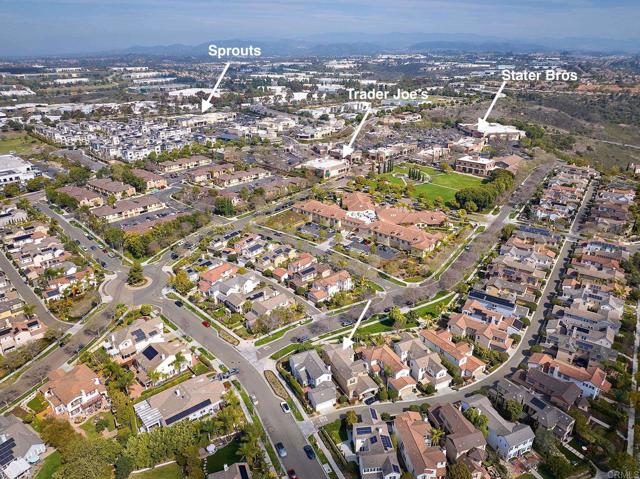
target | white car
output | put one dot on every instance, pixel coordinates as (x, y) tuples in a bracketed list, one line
[(285, 407)]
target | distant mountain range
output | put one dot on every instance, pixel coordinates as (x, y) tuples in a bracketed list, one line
[(343, 44)]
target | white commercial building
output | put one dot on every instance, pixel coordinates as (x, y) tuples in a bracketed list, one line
[(14, 169)]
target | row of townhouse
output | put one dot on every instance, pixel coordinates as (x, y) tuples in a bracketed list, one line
[(183, 164), (240, 293), (591, 304), (128, 208), (396, 227), (611, 210), (43, 260), (207, 173), (288, 266), (17, 329), (563, 194), (131, 141), (240, 177)]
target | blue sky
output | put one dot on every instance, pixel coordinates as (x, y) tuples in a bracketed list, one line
[(32, 27)]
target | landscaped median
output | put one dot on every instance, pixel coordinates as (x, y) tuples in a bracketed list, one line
[(279, 333), (281, 392), (222, 332)]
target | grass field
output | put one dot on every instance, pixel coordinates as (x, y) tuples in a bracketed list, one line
[(50, 465), (21, 143), (170, 471), (227, 455), (442, 184)]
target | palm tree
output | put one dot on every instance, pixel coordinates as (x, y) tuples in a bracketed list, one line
[(436, 436), (179, 361), (155, 376), (29, 310)]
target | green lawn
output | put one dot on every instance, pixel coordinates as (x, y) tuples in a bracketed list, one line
[(442, 184), (21, 143), (337, 431), (227, 455), (89, 426), (433, 308), (50, 465), (38, 403), (170, 471)]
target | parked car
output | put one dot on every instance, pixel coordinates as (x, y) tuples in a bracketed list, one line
[(178, 303), (285, 407), (282, 451), (308, 450), (254, 400), (292, 474), (233, 371), (206, 324)]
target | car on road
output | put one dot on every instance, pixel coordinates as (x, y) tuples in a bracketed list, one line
[(178, 303), (308, 450), (233, 371), (292, 474), (206, 324), (346, 322), (285, 407), (254, 400), (301, 339), (111, 255), (282, 451)]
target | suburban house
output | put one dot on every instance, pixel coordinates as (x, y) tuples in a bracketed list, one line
[(352, 376), (75, 392), (372, 443), (423, 459), (191, 399), (539, 412), (309, 369), (159, 361), (460, 354), (591, 380), (461, 437), (126, 342), (20, 448), (509, 439)]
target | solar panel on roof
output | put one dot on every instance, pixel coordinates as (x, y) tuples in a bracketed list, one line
[(243, 471), (386, 442), (374, 439), (363, 430), (538, 403), (395, 468), (138, 335), (374, 414), (150, 353), (187, 412), (6, 451)]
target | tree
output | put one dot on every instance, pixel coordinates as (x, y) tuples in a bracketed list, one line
[(436, 436), (179, 361), (478, 419), (351, 418), (182, 283), (513, 410), (398, 318), (11, 190), (459, 470), (507, 231), (136, 274), (29, 310), (559, 466), (111, 200)]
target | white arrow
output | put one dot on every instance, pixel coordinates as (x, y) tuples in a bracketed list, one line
[(348, 149), (206, 104), (495, 99), (348, 342)]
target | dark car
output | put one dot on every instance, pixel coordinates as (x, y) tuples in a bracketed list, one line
[(292, 474), (282, 451), (178, 303), (308, 450), (370, 400), (233, 371)]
